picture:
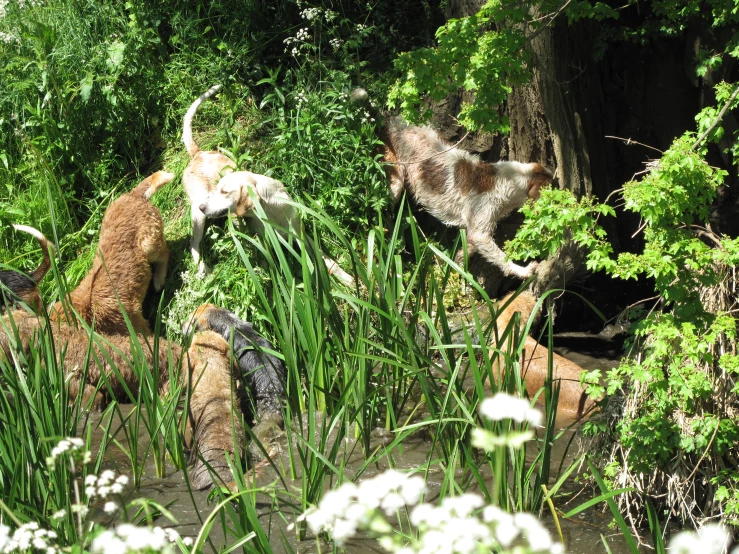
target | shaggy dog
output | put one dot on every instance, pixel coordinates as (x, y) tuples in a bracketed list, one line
[(233, 195), (458, 188), (17, 288), (534, 361), (206, 368), (201, 176), (131, 238), (264, 373)]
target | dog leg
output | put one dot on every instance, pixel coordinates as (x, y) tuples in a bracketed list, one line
[(198, 228), (485, 245), (396, 185), (160, 261)]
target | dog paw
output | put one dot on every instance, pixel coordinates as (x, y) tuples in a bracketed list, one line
[(530, 269), (203, 270), (159, 281)]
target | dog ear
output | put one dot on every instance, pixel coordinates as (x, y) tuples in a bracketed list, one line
[(540, 177), (244, 205)]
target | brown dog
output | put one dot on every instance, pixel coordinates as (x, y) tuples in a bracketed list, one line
[(17, 288), (131, 238), (458, 188), (17, 332), (216, 422), (534, 362), (206, 367)]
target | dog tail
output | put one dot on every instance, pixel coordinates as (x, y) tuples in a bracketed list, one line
[(190, 145), (42, 269), (152, 183), (335, 270)]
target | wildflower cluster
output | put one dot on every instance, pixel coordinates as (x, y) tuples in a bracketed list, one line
[(504, 406), (297, 42), (71, 446), (457, 525), (104, 485), (351, 507), (498, 408), (314, 14), (709, 539), (26, 537), (454, 526), (301, 98), (130, 538), (462, 524), (7, 38)]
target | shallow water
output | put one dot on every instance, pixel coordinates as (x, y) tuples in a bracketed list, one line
[(582, 534)]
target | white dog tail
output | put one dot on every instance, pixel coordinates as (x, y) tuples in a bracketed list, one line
[(42, 269), (152, 183), (190, 145), (335, 270)]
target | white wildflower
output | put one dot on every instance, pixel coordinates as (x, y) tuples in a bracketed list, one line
[(110, 507), (109, 543), (462, 506), (504, 406), (80, 509), (531, 528), (709, 539), (426, 514), (505, 529), (303, 34), (56, 515), (335, 43), (310, 13)]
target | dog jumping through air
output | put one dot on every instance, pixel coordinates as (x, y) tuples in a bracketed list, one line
[(457, 187), (131, 240), (17, 288)]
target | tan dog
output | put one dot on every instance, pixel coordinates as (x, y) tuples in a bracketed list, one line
[(131, 238), (201, 176), (17, 288), (214, 412), (534, 362), (458, 188)]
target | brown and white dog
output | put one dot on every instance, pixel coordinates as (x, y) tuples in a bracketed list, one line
[(201, 176), (216, 190), (458, 188), (131, 238), (233, 195), (17, 288)]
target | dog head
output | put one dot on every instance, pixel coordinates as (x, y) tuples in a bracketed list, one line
[(230, 196), (539, 176), (198, 321)]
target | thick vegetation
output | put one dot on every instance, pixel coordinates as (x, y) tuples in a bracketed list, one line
[(92, 96)]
